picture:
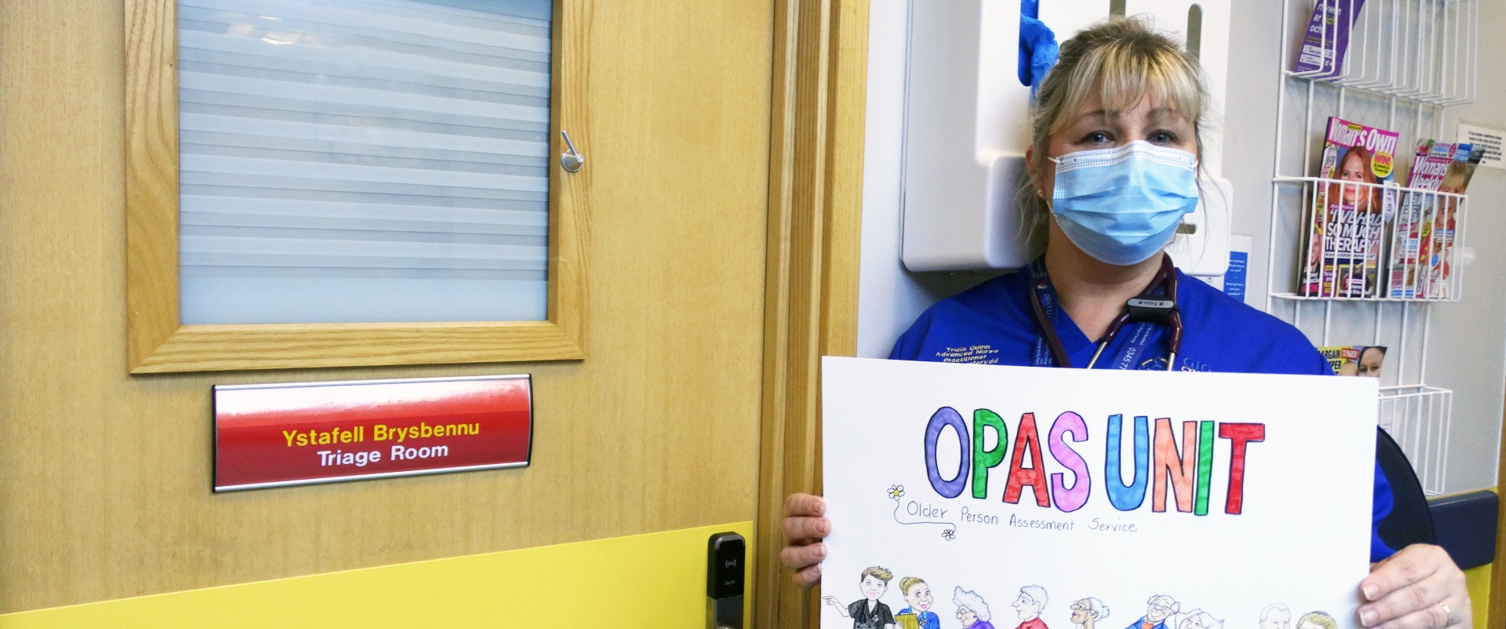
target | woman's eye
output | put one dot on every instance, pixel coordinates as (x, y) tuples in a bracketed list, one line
[(1096, 137), (1163, 137)]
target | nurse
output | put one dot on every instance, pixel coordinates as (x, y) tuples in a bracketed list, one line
[(1113, 168)]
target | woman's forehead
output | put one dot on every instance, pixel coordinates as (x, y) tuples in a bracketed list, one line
[(1094, 109), (1105, 101)]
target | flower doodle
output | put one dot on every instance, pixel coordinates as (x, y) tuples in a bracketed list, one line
[(896, 492)]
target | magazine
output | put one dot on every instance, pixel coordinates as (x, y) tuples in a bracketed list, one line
[(1327, 38), (1355, 360), (1417, 215), (1348, 217), (1423, 245), (1440, 256)]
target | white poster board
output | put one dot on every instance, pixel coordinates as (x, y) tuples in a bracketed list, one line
[(1252, 491)]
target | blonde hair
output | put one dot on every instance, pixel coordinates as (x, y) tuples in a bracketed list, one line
[(908, 582), (1124, 60), (1321, 619), (1457, 176)]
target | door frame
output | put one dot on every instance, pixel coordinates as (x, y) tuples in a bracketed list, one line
[(810, 301), (1496, 603)]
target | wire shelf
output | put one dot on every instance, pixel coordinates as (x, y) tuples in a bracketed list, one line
[(1362, 300), (1417, 417), (1373, 242), (1403, 61), (1421, 50)]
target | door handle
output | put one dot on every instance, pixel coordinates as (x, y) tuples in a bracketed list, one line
[(571, 160), (725, 555)]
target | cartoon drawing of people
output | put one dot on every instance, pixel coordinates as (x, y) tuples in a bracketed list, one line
[(1028, 606), (971, 610), (918, 595), (1197, 619), (1276, 616), (1158, 609), (1317, 620), (1087, 611), (868, 612)]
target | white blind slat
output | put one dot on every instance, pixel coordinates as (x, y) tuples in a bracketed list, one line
[(525, 70), (313, 247), (433, 21), (313, 132), (353, 173), (534, 219), (250, 88)]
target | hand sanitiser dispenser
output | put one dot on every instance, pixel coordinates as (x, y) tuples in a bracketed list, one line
[(966, 117), (964, 136)]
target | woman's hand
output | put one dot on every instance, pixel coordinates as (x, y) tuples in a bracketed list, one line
[(804, 527), (1417, 588)]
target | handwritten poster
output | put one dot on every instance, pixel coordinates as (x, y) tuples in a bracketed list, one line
[(990, 497)]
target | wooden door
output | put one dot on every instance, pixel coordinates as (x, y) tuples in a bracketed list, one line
[(104, 476)]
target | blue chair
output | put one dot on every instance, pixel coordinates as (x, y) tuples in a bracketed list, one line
[(1410, 522)]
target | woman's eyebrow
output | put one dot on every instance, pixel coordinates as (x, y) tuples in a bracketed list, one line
[(1095, 116), (1162, 113)]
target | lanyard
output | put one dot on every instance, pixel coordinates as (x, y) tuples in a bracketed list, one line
[(1145, 309)]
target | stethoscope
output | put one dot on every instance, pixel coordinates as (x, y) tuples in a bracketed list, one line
[(1146, 308)]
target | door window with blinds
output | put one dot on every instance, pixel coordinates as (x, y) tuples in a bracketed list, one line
[(345, 183), (354, 161)]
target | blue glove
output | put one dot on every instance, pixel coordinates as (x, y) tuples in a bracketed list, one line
[(1038, 48)]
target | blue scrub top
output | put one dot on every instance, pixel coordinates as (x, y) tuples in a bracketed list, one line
[(993, 323)]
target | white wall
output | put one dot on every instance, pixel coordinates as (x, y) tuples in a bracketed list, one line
[(1467, 345)]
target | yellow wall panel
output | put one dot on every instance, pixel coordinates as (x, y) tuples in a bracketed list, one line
[(652, 580), (1478, 581)]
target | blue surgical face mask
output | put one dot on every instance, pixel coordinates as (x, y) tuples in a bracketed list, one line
[(1122, 205)]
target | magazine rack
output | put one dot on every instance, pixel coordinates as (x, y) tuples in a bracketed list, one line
[(1406, 61)]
